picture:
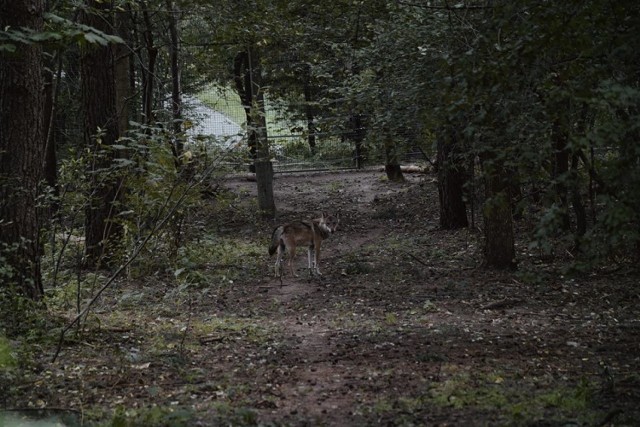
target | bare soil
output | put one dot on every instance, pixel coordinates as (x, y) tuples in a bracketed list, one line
[(404, 327)]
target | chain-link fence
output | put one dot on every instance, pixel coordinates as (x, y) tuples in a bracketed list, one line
[(296, 143)]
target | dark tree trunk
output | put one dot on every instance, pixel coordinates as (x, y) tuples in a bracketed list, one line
[(248, 79), (122, 52), (392, 165), (21, 148), (148, 73), (578, 205), (244, 85), (560, 171), (176, 90), (100, 113), (310, 111), (394, 172), (452, 177), (50, 168), (264, 180), (356, 132), (499, 247)]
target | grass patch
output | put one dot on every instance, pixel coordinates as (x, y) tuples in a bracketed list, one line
[(218, 260), (233, 328), (516, 400), (224, 100), (151, 416), (227, 101)]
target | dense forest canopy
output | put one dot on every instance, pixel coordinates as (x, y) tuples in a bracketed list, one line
[(528, 113)]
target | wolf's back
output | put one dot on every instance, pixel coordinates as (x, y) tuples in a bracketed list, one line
[(275, 239)]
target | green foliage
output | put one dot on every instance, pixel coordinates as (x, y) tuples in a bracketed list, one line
[(154, 416), (6, 358), (7, 271), (19, 315), (60, 32), (162, 193), (517, 402), (66, 31)]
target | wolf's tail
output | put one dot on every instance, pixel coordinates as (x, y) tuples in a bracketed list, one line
[(275, 239)]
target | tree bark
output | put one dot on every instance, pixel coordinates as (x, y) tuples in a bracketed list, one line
[(499, 246), (244, 85), (356, 132), (100, 131), (124, 92), (451, 180), (21, 149), (309, 111), (176, 90), (50, 167), (148, 73), (248, 81), (264, 181), (392, 166), (560, 171), (578, 205)]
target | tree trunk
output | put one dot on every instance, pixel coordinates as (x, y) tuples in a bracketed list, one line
[(248, 81), (244, 85), (451, 179), (124, 92), (50, 169), (176, 90), (357, 132), (21, 149), (309, 110), (392, 166), (100, 131), (578, 205), (499, 248), (148, 72), (560, 171), (264, 180)]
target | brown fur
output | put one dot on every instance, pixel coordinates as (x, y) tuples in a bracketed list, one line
[(302, 233)]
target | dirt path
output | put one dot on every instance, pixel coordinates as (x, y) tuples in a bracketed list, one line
[(403, 328)]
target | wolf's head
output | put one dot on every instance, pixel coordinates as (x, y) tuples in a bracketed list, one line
[(329, 223)]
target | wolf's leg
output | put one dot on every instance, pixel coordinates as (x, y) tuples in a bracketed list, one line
[(278, 265), (292, 254), (316, 260), (310, 258)]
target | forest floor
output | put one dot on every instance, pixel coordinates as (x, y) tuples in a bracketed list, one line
[(404, 327)]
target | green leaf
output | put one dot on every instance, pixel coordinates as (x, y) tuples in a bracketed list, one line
[(95, 38), (7, 47)]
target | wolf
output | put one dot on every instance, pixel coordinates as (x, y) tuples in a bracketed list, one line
[(302, 233)]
